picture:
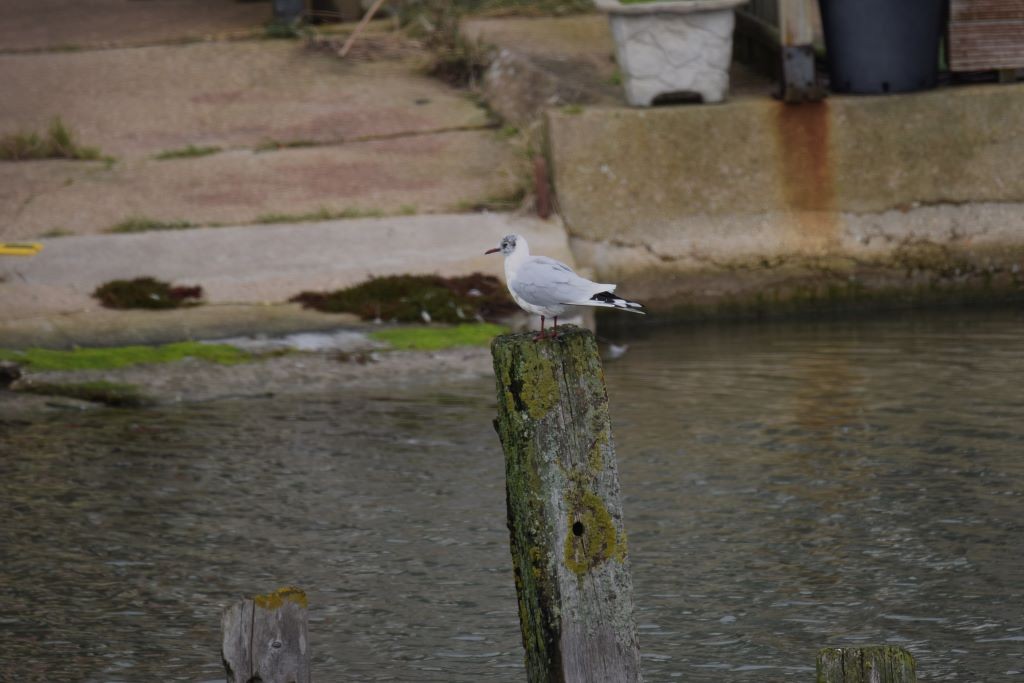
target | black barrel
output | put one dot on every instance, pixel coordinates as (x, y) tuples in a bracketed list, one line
[(882, 46)]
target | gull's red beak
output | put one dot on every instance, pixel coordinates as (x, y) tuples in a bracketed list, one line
[(491, 251)]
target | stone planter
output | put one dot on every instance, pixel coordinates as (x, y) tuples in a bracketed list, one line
[(673, 50)]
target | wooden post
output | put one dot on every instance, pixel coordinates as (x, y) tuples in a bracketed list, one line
[(266, 638), (796, 34), (564, 514), (872, 664)]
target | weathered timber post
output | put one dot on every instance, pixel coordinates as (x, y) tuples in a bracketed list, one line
[(872, 664), (564, 514), (266, 638), (796, 35)]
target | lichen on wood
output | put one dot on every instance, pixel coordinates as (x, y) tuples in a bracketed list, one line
[(564, 513), (277, 598), (266, 638), (869, 664), (592, 538)]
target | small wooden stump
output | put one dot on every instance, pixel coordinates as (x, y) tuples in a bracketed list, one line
[(564, 514), (872, 664), (266, 639)]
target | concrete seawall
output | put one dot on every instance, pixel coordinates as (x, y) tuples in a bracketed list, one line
[(755, 206)]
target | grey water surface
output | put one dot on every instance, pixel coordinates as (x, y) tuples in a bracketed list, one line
[(786, 486)]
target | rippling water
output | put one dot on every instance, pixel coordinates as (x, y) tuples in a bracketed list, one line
[(786, 487)]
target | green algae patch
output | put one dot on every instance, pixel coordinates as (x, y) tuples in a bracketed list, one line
[(123, 356), (591, 539), (541, 394), (277, 598), (108, 393), (435, 338)]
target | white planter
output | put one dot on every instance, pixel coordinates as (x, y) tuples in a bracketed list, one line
[(674, 49)]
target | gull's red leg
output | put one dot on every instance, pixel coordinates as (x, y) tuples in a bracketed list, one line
[(540, 335)]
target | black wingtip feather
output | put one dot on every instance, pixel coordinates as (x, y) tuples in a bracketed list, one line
[(616, 301)]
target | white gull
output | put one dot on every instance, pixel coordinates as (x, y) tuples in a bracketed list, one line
[(548, 288)]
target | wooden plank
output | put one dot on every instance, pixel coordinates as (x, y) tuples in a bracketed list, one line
[(565, 524), (796, 26), (985, 10), (872, 664), (266, 638), (986, 35), (236, 641)]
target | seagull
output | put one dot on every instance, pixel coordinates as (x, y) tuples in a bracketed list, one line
[(546, 287)]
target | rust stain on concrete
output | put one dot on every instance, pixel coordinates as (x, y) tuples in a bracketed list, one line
[(806, 172)]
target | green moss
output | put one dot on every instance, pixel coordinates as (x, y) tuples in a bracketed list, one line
[(58, 143), (56, 232), (143, 224), (276, 599), (123, 356), (321, 214), (508, 201), (434, 338), (274, 145), (417, 298), (596, 455), (287, 30), (591, 538), (107, 393), (187, 153)]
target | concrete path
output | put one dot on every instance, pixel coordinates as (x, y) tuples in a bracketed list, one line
[(74, 24), (441, 172), (139, 102), (384, 138), (295, 132), (260, 264)]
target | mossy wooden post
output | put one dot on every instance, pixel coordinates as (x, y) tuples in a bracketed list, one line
[(873, 664), (266, 638), (564, 515)]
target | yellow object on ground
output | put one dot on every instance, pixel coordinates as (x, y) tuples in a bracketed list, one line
[(20, 248)]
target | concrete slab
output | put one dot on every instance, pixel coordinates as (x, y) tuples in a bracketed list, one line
[(142, 101), (268, 263), (66, 24), (429, 173), (754, 201), (103, 327)]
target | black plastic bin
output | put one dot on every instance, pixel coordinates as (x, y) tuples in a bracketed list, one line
[(288, 10), (882, 46)]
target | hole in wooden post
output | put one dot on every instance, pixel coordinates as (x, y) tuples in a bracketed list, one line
[(577, 528)]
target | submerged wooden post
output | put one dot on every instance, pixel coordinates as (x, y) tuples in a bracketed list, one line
[(872, 664), (564, 514), (266, 638)]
